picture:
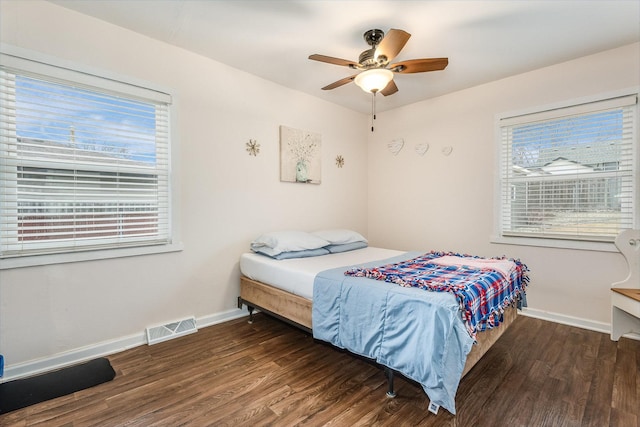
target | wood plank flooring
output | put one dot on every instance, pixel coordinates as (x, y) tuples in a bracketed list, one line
[(272, 374)]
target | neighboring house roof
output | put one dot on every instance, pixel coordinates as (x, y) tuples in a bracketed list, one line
[(562, 166), (561, 160), (72, 151), (607, 152)]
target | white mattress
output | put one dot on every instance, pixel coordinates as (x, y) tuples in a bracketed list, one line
[(297, 275)]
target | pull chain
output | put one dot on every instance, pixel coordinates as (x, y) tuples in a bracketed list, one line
[(373, 109)]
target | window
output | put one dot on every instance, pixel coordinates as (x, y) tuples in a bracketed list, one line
[(570, 173), (84, 162)]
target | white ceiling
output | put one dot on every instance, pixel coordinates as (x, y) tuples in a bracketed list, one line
[(484, 40)]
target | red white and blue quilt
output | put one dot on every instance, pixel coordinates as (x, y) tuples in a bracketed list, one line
[(483, 287)]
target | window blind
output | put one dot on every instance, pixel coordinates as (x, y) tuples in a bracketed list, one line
[(81, 167), (570, 173)]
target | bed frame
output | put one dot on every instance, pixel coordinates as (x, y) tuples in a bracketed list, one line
[(296, 310)]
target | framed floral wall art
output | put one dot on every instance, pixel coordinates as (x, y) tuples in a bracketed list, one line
[(300, 158)]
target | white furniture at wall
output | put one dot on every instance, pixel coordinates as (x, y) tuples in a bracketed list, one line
[(625, 295)]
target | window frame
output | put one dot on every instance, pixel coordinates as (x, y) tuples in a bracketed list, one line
[(499, 238), (56, 68)]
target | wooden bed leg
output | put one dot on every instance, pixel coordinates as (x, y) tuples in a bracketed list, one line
[(389, 374)]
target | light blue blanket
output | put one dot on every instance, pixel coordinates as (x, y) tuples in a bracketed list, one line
[(412, 331)]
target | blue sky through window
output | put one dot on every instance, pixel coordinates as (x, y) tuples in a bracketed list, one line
[(92, 121)]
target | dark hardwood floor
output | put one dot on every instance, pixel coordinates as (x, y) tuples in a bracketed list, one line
[(269, 373)]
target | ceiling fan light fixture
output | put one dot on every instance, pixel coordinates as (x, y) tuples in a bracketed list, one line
[(374, 80)]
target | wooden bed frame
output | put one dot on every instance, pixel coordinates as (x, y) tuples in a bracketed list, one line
[(296, 310)]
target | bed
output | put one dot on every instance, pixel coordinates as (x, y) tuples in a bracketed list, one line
[(304, 291)]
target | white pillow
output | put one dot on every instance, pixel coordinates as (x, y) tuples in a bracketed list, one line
[(340, 236), (277, 242)]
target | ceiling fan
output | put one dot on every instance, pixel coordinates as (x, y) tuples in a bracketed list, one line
[(376, 74)]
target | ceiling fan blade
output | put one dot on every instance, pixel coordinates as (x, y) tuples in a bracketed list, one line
[(390, 89), (332, 60), (419, 65), (392, 44), (340, 82)]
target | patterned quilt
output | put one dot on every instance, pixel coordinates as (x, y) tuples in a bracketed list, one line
[(482, 292)]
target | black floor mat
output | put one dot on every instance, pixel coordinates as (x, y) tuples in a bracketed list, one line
[(24, 392)]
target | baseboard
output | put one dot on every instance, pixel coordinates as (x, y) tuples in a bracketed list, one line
[(225, 316), (57, 361), (578, 322), (33, 367)]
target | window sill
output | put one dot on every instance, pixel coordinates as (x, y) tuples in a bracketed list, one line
[(37, 260), (556, 243)]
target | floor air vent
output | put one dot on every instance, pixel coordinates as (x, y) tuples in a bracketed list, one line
[(171, 330)]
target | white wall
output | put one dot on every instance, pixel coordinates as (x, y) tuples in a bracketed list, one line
[(226, 196), (446, 202)]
